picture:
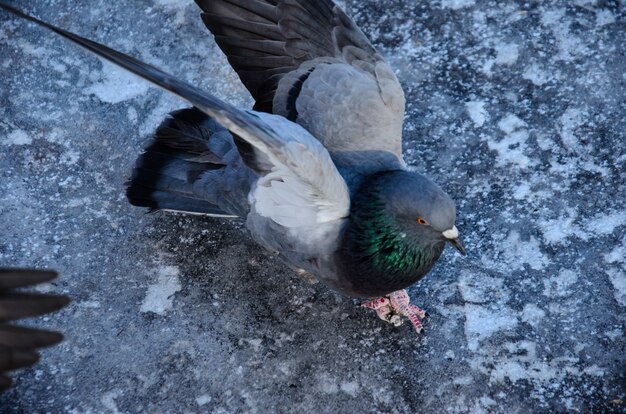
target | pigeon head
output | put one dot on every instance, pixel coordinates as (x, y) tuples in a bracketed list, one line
[(418, 207), (400, 222)]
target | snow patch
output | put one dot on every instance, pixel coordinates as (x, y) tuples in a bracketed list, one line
[(617, 255), (511, 148), (350, 388), (517, 371), (166, 104), (604, 224), (534, 74), (108, 401), (507, 54), (510, 123), (132, 115), (560, 285), (477, 112), (571, 120), (477, 289), (160, 296), (618, 279), (532, 314), (456, 4), (328, 385), (116, 85), (17, 137), (203, 400), (556, 231), (518, 253), (568, 44), (481, 323), (604, 17), (178, 6)]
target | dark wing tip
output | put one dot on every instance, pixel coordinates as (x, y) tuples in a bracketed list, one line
[(17, 278), (23, 305), (17, 337), (5, 383), (11, 359)]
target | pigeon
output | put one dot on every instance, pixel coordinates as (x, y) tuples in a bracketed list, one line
[(315, 168), (18, 345)]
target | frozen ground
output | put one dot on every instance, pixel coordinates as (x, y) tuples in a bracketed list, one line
[(516, 107)]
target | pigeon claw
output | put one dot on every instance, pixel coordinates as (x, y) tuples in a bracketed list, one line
[(393, 307)]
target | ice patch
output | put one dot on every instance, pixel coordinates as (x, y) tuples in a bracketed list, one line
[(481, 323), (328, 385), (117, 85), (569, 45), (518, 253), (532, 314), (534, 74), (17, 137), (108, 401), (560, 286), (557, 231), (571, 120), (203, 400), (507, 54), (511, 148), (166, 104), (510, 123), (132, 115), (522, 191), (350, 388), (160, 296), (477, 112), (517, 371), (526, 190), (552, 17), (604, 17), (477, 289), (617, 255), (618, 280), (604, 224), (456, 4)]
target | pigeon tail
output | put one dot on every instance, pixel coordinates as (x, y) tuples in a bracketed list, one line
[(167, 176)]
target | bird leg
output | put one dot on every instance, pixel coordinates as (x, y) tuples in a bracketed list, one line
[(392, 307)]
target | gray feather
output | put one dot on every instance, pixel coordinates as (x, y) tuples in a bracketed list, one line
[(307, 61)]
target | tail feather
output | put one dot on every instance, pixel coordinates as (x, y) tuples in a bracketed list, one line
[(165, 175)]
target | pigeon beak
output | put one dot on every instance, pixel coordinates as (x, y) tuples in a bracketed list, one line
[(452, 236), (458, 245)]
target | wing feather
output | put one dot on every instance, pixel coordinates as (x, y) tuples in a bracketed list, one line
[(296, 157), (271, 44)]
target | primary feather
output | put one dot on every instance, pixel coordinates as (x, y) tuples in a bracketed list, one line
[(18, 345)]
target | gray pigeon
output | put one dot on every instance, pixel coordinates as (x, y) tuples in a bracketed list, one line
[(18, 345), (316, 169)]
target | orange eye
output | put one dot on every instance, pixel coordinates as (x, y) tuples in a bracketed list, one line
[(422, 221)]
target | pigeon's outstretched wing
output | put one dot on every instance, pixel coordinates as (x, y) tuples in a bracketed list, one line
[(18, 346), (308, 61), (300, 180)]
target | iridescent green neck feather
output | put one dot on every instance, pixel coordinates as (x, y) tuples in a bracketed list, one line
[(380, 253), (389, 247)]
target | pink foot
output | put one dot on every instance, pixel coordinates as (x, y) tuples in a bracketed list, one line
[(397, 304)]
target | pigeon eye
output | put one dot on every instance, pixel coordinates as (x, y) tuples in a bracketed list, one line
[(422, 221)]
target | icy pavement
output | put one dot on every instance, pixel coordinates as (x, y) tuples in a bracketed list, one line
[(517, 108)]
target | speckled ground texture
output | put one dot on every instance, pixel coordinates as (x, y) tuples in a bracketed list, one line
[(517, 108)]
